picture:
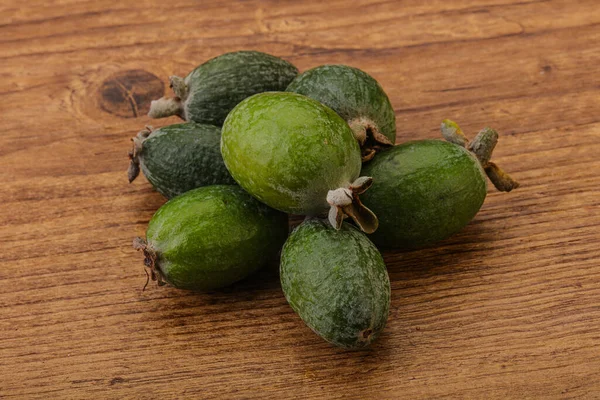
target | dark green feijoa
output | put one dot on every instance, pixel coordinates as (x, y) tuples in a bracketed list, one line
[(178, 158), (425, 191), (296, 155), (337, 282), (211, 90), (211, 237), (357, 97)]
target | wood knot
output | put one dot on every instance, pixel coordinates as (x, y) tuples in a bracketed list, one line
[(546, 69), (128, 94)]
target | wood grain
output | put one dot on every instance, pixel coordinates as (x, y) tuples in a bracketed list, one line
[(508, 308)]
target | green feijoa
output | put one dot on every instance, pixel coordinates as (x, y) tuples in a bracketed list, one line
[(178, 158), (337, 282), (211, 237), (357, 97), (296, 155), (210, 91), (425, 191)]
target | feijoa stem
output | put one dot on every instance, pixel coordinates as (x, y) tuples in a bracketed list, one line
[(453, 134), (169, 106), (369, 137), (501, 180), (134, 166), (482, 147), (179, 87), (166, 107), (345, 203), (150, 258)]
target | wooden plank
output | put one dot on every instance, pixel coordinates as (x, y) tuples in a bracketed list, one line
[(507, 308)]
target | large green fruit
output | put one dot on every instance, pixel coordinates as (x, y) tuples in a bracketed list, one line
[(295, 155), (211, 237), (178, 158), (357, 97), (425, 191), (211, 90), (337, 282)]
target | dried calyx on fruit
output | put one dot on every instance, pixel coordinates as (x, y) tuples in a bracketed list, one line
[(345, 202), (210, 91), (298, 156), (426, 190), (358, 98), (211, 237), (178, 158), (482, 146)]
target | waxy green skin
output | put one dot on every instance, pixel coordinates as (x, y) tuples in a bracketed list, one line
[(181, 157), (288, 151), (337, 282), (423, 191), (219, 84), (350, 92), (213, 236)]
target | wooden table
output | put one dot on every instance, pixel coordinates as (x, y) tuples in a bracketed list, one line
[(508, 308)]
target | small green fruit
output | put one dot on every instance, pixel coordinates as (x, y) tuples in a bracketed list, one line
[(211, 237), (296, 155), (357, 97), (337, 282), (425, 191), (178, 158), (211, 90)]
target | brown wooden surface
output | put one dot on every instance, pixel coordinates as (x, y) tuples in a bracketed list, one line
[(508, 308)]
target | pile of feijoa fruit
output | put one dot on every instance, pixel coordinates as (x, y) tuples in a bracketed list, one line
[(261, 141)]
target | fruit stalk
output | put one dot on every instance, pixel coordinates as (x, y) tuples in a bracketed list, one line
[(453, 134), (169, 106), (209, 92), (482, 147), (166, 107), (501, 180), (180, 88)]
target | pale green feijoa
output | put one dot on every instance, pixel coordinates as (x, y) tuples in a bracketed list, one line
[(424, 191), (337, 282), (178, 158), (296, 155), (210, 91), (357, 97), (211, 237)]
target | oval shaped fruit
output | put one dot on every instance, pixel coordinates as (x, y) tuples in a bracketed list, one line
[(337, 282), (357, 97), (178, 158), (211, 237), (425, 191), (210, 91), (296, 155)]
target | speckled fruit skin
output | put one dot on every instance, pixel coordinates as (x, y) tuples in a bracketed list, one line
[(178, 158), (288, 151), (423, 191), (350, 92), (219, 84), (213, 236), (337, 282)]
